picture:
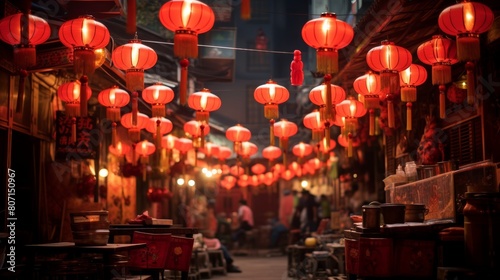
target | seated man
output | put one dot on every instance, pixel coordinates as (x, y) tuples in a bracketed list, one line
[(277, 229), (214, 243)]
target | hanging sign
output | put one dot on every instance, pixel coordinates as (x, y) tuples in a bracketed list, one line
[(84, 145)]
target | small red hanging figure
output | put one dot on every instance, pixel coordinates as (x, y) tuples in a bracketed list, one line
[(296, 73)]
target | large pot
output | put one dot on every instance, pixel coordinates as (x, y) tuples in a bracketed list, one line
[(393, 213), (427, 171)]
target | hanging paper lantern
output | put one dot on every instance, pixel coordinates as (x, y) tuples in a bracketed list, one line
[(319, 96), (204, 102), (23, 31), (324, 148), (441, 53), (183, 145), (70, 94), (271, 153), (258, 168), (466, 20), (368, 86), (159, 127), (187, 19), (84, 35), (247, 149), (351, 110), (327, 35), (197, 130), (296, 66), (238, 134), (302, 150), (349, 142), (134, 58), (211, 150), (144, 149), (237, 171), (270, 95), (284, 130), (288, 175), (224, 153), (410, 78), (119, 150), (134, 130), (113, 99), (168, 142), (314, 123), (158, 95)]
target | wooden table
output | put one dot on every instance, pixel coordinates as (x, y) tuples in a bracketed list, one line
[(129, 229), (75, 252)]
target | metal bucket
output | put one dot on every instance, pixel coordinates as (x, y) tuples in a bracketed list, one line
[(427, 171)]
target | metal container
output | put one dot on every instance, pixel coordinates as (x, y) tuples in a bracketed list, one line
[(371, 216), (415, 213), (427, 171), (393, 213)]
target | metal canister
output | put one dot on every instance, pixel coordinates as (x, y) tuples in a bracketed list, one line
[(371, 216), (481, 230)]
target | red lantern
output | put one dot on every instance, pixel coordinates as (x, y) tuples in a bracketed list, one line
[(204, 102), (238, 134), (168, 142), (324, 147), (296, 66), (23, 31), (441, 53), (314, 123), (410, 78), (159, 127), (284, 130), (248, 149), (70, 94), (84, 35), (224, 153), (327, 35), (211, 150), (144, 149), (319, 97), (119, 150), (258, 169), (368, 86), (134, 58), (183, 145), (287, 175), (134, 130), (187, 18), (466, 21), (237, 171), (351, 109), (302, 150), (113, 99), (197, 130), (349, 142), (271, 95), (158, 95)]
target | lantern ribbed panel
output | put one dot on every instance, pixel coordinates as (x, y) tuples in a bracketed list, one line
[(70, 33), (168, 142), (194, 128), (248, 149), (351, 108), (285, 129), (343, 141), (368, 86), (414, 75), (237, 170), (258, 168), (271, 152), (145, 148), (70, 92), (211, 150), (113, 97), (142, 120), (302, 149), (313, 121), (271, 93), (224, 153), (388, 57), (119, 149), (10, 30), (204, 101), (323, 147), (238, 133), (134, 55), (200, 20), (183, 145), (318, 95), (165, 125), (441, 53)]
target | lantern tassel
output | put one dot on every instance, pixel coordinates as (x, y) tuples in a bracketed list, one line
[(327, 61), (131, 16), (409, 94), (468, 47), (442, 102), (135, 108), (271, 132), (390, 112), (113, 134), (471, 84), (408, 116), (185, 44), (296, 69), (349, 145), (441, 74), (271, 111), (134, 79), (158, 110), (183, 83), (20, 92), (83, 95), (327, 136), (113, 114), (158, 133), (83, 61), (245, 11), (372, 122), (389, 82), (73, 130), (328, 97)]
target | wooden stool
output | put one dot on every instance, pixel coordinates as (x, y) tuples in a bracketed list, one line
[(202, 263), (217, 261)]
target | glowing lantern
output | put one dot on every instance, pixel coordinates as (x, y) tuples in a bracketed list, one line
[(197, 130), (238, 134), (270, 95), (314, 123), (211, 150), (271, 153), (302, 150), (113, 99), (228, 182), (315, 163), (119, 150), (134, 130), (144, 149), (158, 95), (248, 149), (287, 175), (466, 21), (351, 110), (368, 86), (83, 35), (134, 58), (183, 145), (237, 170), (349, 142), (389, 59), (23, 31), (159, 127), (412, 77), (327, 35), (203, 102), (70, 94), (187, 19), (224, 153), (167, 145), (284, 130), (324, 148), (441, 53), (258, 169)]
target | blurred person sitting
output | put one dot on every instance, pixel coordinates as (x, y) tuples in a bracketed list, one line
[(245, 218), (278, 229), (213, 243)]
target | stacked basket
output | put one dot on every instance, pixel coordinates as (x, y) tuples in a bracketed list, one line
[(90, 228)]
